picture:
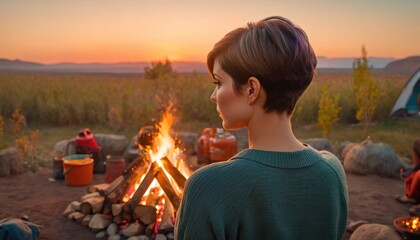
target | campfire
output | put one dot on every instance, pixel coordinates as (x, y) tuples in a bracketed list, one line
[(409, 227), (145, 198)]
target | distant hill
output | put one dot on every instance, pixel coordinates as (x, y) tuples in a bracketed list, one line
[(347, 63), (405, 65), (17, 64), (324, 64), (118, 68)]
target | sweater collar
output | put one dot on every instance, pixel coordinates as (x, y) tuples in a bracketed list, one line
[(298, 159)]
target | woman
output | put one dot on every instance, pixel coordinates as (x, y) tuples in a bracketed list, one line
[(279, 188)]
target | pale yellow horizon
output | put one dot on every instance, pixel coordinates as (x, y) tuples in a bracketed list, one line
[(106, 31)]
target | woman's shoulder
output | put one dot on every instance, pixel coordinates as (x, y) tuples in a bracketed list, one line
[(331, 159), (219, 171)]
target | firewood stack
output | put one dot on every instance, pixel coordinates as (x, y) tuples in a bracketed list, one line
[(103, 210)]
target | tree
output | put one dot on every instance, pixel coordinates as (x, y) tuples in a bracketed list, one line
[(366, 91), (328, 110), (158, 69)]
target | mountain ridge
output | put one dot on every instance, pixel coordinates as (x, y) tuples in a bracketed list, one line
[(377, 63)]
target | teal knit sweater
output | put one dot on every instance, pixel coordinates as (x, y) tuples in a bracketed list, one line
[(266, 195)]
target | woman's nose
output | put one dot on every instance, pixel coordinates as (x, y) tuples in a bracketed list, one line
[(213, 96)]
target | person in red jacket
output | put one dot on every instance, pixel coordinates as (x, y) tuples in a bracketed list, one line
[(412, 178)]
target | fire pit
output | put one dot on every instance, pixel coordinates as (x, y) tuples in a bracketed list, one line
[(142, 201), (409, 227)]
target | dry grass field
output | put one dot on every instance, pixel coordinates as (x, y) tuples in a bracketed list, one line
[(58, 105)]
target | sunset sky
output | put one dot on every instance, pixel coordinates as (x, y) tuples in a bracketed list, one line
[(51, 31)]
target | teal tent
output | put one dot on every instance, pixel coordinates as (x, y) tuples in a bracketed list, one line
[(406, 104)]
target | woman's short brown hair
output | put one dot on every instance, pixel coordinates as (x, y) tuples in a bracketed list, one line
[(273, 50)]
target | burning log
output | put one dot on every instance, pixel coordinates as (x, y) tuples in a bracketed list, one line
[(118, 188), (117, 209), (141, 190), (153, 196), (130, 169), (174, 172), (168, 189)]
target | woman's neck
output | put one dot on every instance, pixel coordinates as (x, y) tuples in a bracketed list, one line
[(272, 132)]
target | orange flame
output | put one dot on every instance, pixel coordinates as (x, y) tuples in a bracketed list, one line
[(164, 145)]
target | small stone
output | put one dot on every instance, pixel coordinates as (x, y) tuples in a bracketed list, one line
[(100, 234), (99, 221), (112, 229), (143, 237), (114, 237), (133, 238), (170, 236), (160, 236), (133, 229)]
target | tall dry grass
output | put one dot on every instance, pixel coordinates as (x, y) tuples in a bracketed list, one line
[(74, 99), (59, 104), (64, 99)]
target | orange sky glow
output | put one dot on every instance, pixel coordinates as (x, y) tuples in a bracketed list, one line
[(128, 31)]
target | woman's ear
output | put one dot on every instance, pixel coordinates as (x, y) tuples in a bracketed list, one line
[(253, 90)]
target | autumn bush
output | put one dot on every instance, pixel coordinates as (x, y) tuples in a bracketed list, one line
[(329, 110)]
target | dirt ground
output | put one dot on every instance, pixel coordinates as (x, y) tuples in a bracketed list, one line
[(32, 194)]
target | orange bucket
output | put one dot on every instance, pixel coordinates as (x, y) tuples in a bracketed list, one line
[(78, 169)]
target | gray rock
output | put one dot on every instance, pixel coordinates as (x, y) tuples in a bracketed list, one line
[(112, 229), (320, 144), (132, 150), (133, 238), (100, 234), (133, 229), (114, 237), (10, 162), (347, 149), (341, 148), (406, 162), (143, 237), (160, 236), (373, 158), (373, 231), (188, 142), (60, 148), (65, 147), (112, 144)]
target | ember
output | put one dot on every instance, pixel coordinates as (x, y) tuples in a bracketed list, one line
[(411, 224), (144, 199)]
